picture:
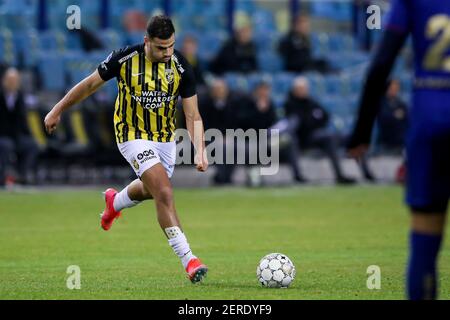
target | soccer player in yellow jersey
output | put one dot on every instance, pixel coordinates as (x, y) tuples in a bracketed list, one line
[(150, 77)]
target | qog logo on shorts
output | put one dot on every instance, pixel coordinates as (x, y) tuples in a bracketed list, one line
[(146, 155)]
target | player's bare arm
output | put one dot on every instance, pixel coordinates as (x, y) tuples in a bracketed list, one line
[(81, 91), (194, 124)]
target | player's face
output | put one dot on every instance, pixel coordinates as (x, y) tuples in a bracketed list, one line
[(160, 50)]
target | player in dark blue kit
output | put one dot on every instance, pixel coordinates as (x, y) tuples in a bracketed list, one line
[(428, 139)]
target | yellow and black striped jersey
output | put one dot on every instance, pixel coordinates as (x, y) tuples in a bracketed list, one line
[(147, 93)]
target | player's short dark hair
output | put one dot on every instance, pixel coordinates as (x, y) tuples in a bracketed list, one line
[(161, 27)]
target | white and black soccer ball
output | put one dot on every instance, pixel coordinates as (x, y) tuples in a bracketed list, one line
[(275, 270)]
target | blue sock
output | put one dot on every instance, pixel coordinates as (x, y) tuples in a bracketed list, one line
[(421, 278)]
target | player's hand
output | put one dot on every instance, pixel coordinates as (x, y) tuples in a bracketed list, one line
[(51, 121), (201, 161), (358, 151)]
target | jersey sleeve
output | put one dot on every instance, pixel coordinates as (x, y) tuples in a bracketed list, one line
[(188, 86), (398, 19), (110, 67), (375, 86)]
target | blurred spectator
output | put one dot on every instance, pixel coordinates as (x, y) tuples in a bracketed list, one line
[(313, 121), (135, 25), (134, 21), (255, 112), (238, 54), (260, 114), (189, 49), (243, 112), (217, 109), (392, 119), (295, 49), (15, 139), (259, 110), (216, 106)]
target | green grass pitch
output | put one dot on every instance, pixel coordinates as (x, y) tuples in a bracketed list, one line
[(331, 234)]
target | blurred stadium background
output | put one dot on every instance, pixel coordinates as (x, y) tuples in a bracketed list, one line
[(331, 233), (34, 38)]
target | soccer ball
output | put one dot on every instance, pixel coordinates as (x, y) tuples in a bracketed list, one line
[(275, 270)]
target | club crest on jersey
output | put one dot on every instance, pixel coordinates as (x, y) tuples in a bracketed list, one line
[(135, 164), (169, 75)]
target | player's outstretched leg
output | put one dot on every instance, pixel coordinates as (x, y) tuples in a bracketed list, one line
[(130, 196), (158, 184), (425, 242)]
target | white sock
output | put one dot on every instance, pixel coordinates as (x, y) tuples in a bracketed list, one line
[(122, 200), (179, 244)]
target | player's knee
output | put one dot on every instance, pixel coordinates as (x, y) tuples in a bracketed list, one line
[(165, 195)]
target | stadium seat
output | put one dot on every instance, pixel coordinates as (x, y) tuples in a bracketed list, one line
[(51, 71), (319, 44), (111, 39), (26, 45), (73, 41), (52, 40), (247, 6), (344, 85), (201, 15), (183, 7), (79, 65), (283, 82), (405, 81), (134, 38), (359, 57), (17, 15), (340, 42), (316, 84), (356, 83), (269, 62), (263, 21), (278, 100), (342, 11), (338, 11), (257, 77), (321, 9), (209, 43), (333, 85), (267, 40), (7, 47), (328, 102), (236, 81), (341, 113)]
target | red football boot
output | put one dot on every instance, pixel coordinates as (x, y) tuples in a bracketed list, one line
[(196, 270), (109, 214)]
